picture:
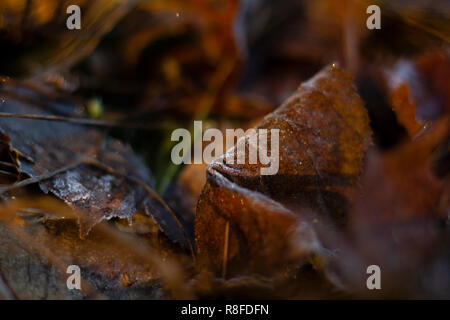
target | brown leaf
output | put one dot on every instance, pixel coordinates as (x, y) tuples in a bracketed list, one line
[(399, 222), (82, 166), (418, 89), (324, 132), (405, 110), (401, 184), (116, 260)]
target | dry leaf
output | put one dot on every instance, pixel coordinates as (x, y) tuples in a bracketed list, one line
[(418, 89), (35, 254), (88, 170), (324, 132), (399, 222)]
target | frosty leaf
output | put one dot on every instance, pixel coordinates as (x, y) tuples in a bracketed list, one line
[(324, 132), (102, 191)]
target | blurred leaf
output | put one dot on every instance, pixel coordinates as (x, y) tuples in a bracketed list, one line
[(40, 26)]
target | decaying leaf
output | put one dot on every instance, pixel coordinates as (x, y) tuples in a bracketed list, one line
[(116, 261), (399, 222), (405, 110), (245, 220), (418, 89), (405, 171), (84, 167), (332, 207)]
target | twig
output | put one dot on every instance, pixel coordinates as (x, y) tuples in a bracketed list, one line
[(90, 122), (39, 178), (7, 164), (225, 250), (8, 174)]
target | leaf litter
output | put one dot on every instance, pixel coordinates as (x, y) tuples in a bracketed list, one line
[(337, 204)]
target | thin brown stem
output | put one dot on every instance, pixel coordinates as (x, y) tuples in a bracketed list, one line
[(84, 121), (225, 250), (39, 178)]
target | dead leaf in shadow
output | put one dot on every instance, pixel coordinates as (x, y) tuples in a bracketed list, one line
[(116, 261), (84, 167), (399, 222), (418, 89)]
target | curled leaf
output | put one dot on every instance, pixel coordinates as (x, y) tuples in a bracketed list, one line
[(324, 132)]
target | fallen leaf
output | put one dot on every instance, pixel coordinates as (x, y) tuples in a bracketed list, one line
[(84, 167), (115, 262), (418, 91), (399, 222), (324, 133)]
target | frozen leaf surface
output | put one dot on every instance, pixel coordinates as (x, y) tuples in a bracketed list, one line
[(246, 220), (117, 187)]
